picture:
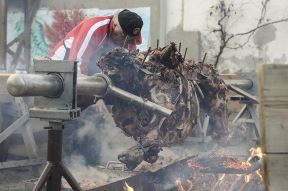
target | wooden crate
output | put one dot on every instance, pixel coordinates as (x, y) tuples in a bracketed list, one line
[(273, 112), (276, 172), (273, 96)]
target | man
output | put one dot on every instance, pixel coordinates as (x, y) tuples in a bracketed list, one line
[(91, 38), (86, 43)]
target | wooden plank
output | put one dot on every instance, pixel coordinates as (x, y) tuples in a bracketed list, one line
[(27, 32), (276, 172), (3, 33), (21, 163), (30, 10), (276, 130), (17, 39), (273, 111)]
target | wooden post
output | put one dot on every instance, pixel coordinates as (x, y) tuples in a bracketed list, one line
[(27, 33), (273, 96), (3, 32)]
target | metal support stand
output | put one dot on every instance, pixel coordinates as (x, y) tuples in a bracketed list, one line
[(248, 107), (54, 169)]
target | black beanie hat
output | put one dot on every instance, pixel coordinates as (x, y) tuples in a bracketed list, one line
[(130, 22)]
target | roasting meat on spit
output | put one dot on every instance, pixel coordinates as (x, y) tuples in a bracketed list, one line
[(162, 76)]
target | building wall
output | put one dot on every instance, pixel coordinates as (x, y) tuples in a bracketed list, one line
[(175, 31), (268, 45)]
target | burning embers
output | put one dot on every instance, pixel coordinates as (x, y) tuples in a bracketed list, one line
[(218, 173), (192, 90), (180, 186), (126, 187)]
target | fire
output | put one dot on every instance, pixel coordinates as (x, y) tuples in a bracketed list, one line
[(247, 178), (222, 177), (126, 187), (234, 165), (192, 164), (255, 152), (239, 174), (180, 186)]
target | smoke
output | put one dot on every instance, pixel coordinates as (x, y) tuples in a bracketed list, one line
[(93, 140), (88, 176)]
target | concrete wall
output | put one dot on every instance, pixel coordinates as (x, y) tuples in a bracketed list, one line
[(174, 22), (267, 46)]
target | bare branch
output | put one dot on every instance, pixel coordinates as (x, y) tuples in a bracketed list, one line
[(225, 37), (260, 20), (261, 26)]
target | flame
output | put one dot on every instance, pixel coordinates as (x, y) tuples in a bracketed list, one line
[(222, 177), (190, 185), (180, 187), (126, 187), (255, 152), (225, 182), (242, 165), (192, 164), (248, 178), (259, 175)]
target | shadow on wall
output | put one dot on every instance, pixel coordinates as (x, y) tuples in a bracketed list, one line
[(188, 39)]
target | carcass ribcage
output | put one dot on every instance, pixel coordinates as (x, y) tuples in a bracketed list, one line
[(158, 83), (186, 87)]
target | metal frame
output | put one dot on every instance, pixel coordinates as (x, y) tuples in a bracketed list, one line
[(249, 102), (56, 110), (54, 169), (63, 107), (21, 123)]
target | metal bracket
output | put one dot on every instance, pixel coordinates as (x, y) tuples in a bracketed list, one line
[(63, 107)]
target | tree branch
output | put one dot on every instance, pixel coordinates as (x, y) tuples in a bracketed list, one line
[(260, 20), (261, 26)]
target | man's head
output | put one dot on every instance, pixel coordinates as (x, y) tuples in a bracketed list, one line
[(127, 26)]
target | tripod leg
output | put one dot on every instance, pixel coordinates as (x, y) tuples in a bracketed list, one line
[(70, 179), (43, 178)]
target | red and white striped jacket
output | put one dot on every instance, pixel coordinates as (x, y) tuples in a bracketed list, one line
[(85, 41)]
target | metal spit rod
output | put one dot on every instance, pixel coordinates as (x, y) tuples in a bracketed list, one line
[(21, 85), (240, 83), (51, 85)]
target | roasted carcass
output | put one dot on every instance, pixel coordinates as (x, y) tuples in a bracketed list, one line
[(162, 75)]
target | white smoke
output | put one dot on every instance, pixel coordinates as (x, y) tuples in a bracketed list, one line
[(99, 135)]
